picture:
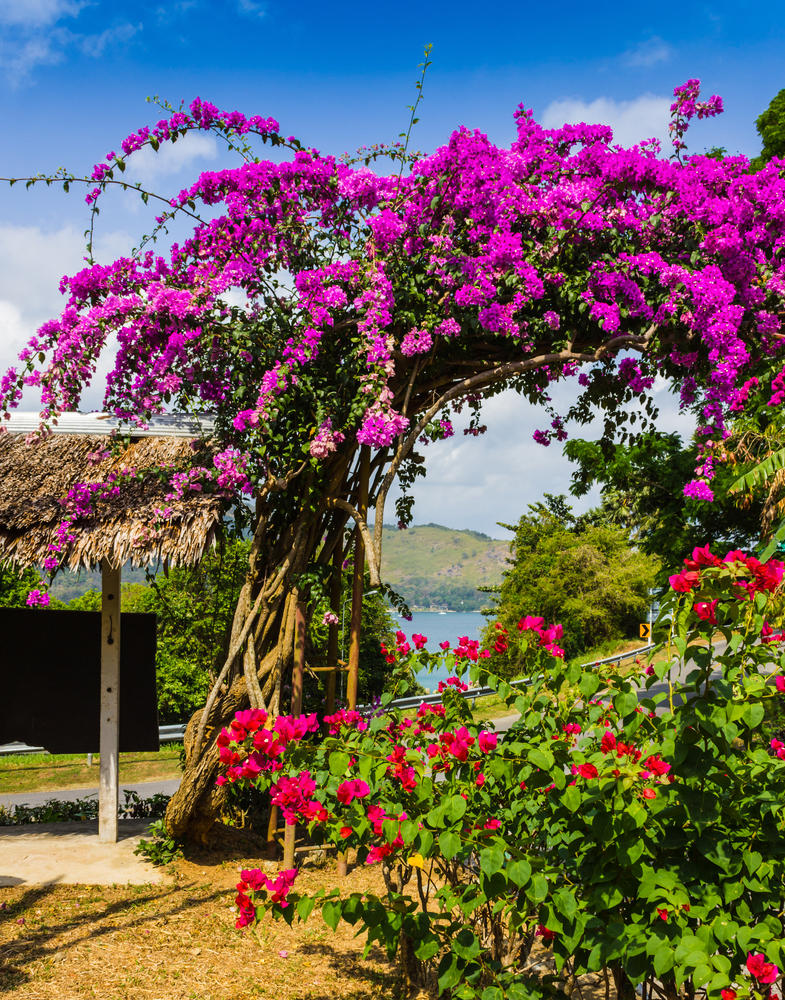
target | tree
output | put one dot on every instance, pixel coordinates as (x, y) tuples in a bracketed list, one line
[(642, 488), (15, 585), (585, 575), (373, 305), (771, 128)]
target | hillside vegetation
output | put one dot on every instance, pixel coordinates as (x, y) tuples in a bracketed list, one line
[(434, 566), (429, 565)]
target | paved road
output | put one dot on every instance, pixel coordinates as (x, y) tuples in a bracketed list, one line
[(144, 789)]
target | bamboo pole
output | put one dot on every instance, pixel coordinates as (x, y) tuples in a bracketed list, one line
[(357, 582), (297, 707), (332, 635)]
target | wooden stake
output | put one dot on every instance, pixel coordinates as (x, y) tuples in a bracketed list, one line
[(109, 739), (297, 708), (332, 635), (357, 582)]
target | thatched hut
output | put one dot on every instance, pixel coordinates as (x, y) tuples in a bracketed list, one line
[(140, 524), (35, 480)]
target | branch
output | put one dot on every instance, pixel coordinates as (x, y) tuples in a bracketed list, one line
[(478, 381), (362, 524)]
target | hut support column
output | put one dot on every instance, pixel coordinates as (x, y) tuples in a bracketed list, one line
[(109, 740)]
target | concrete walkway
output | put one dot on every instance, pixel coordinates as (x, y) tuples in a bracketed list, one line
[(70, 854), (144, 789)]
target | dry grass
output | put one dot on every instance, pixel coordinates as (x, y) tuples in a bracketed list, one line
[(41, 772), (177, 941)]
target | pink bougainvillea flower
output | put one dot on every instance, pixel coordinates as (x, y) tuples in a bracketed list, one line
[(353, 789), (763, 971), (487, 741), (530, 622)]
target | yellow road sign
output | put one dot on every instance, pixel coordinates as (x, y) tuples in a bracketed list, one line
[(645, 630)]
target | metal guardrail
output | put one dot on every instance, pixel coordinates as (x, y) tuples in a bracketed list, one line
[(173, 733)]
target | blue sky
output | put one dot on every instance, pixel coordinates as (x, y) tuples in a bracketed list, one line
[(74, 76)]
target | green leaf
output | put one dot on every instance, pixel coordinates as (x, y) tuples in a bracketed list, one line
[(449, 844), (427, 948), (539, 889), (455, 807), (491, 860), (449, 971), (519, 873), (465, 944), (338, 763), (305, 907), (625, 702), (542, 759), (331, 911)]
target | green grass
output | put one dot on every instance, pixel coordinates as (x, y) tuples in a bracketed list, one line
[(41, 772)]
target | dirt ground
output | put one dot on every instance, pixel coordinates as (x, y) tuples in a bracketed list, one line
[(176, 940)]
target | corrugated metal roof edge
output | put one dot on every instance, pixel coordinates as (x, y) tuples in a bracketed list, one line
[(161, 425)]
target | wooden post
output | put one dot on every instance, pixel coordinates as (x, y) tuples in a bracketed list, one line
[(357, 582), (109, 739), (332, 635), (297, 708)]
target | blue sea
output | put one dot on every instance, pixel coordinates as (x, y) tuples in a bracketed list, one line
[(438, 626)]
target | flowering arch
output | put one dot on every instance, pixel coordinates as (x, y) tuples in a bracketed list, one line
[(375, 305)]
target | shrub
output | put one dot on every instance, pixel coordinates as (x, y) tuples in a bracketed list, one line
[(633, 825)]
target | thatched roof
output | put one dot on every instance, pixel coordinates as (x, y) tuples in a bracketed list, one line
[(34, 479)]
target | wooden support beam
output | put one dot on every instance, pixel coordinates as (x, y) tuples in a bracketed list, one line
[(109, 738)]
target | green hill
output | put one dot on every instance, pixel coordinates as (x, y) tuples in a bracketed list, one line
[(429, 565), (436, 567)]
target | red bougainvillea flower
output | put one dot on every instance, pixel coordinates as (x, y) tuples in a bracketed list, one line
[(683, 583), (545, 933), (767, 634), (247, 911), (763, 971), (657, 765), (706, 611), (662, 913), (649, 793), (728, 994), (608, 742), (587, 771)]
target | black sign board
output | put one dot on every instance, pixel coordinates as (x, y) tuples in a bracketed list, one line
[(50, 679)]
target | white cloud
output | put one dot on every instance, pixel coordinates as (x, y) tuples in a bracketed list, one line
[(19, 59), (477, 482), (147, 165), (96, 45), (643, 117), (252, 7), (38, 13), (654, 50), (33, 36), (34, 260)]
